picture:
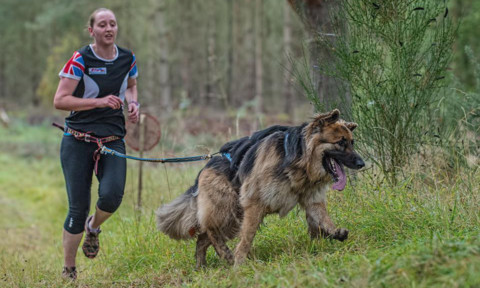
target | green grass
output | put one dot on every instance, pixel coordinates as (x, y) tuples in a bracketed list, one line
[(418, 234)]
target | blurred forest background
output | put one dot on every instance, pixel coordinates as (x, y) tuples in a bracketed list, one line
[(224, 54), (203, 65), (219, 53)]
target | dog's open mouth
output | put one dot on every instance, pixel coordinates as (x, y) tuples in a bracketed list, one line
[(335, 169)]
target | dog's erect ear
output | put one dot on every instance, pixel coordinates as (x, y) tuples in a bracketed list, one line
[(327, 118), (351, 125), (333, 116)]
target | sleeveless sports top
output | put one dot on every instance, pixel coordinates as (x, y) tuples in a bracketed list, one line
[(98, 78)]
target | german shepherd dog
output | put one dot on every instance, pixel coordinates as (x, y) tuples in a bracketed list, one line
[(269, 172)]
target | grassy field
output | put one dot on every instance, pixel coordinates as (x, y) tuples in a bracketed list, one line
[(422, 233)]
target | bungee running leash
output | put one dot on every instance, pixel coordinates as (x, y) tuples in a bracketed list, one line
[(107, 151), (102, 149), (87, 137)]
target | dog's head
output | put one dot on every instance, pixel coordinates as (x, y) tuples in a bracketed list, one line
[(330, 142)]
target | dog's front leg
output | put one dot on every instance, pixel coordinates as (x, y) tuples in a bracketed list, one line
[(253, 216), (319, 222)]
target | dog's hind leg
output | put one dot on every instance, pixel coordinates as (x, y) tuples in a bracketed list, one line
[(203, 242), (253, 216), (218, 242)]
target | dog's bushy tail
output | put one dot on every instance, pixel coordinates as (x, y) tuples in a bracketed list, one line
[(178, 219)]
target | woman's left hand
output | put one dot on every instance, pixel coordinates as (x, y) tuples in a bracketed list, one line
[(133, 112)]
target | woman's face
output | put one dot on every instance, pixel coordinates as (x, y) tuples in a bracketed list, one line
[(104, 29)]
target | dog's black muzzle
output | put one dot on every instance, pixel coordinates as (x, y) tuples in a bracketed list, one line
[(352, 160)]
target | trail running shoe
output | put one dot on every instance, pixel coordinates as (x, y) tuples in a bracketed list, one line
[(69, 273), (91, 245)]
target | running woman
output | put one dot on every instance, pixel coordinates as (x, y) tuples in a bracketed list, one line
[(94, 85)]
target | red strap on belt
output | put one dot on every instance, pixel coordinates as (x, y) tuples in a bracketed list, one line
[(81, 136)]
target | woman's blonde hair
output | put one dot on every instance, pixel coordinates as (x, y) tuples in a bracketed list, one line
[(91, 20)]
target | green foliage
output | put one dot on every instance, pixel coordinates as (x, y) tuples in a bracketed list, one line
[(58, 57), (467, 12), (393, 56), (29, 31), (472, 103), (417, 233), (459, 120), (303, 79)]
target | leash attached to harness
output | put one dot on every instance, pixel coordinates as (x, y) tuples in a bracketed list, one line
[(102, 149), (81, 136), (106, 150)]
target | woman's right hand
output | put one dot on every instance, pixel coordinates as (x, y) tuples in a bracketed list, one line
[(111, 101)]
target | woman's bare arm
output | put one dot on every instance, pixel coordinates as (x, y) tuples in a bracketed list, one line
[(64, 99)]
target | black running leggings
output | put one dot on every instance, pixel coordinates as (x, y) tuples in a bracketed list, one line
[(78, 167)]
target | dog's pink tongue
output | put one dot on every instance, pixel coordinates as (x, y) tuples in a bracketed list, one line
[(342, 178)]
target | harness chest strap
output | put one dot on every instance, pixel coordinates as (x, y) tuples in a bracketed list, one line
[(81, 136)]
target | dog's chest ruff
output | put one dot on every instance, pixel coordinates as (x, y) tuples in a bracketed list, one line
[(283, 195), (279, 199)]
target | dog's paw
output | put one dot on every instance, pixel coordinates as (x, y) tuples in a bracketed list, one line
[(341, 234), (238, 262), (239, 259)]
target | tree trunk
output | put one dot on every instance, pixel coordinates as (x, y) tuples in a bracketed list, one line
[(3, 86), (287, 44), (163, 55), (258, 57), (249, 55), (315, 15), (230, 52), (186, 62), (210, 91)]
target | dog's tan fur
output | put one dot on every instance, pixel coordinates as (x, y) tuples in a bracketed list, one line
[(225, 209)]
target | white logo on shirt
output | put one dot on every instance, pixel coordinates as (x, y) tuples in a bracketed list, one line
[(97, 71)]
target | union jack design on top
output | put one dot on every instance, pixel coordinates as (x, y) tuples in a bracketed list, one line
[(133, 73), (74, 68)]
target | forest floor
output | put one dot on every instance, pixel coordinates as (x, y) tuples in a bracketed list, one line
[(420, 233)]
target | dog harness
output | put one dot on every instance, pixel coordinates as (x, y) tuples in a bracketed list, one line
[(285, 142), (228, 156), (81, 136)]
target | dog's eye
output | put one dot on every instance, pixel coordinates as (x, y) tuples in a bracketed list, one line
[(342, 142), (353, 142)]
